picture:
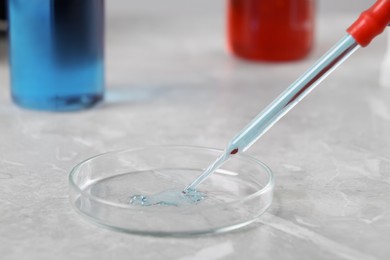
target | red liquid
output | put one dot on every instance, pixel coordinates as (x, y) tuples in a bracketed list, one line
[(270, 30)]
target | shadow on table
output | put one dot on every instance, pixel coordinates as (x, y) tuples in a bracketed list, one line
[(125, 95), (130, 95)]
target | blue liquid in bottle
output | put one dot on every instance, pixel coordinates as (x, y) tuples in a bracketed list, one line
[(56, 53)]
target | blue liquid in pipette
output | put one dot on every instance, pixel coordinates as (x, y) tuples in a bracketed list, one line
[(282, 104), (56, 53)]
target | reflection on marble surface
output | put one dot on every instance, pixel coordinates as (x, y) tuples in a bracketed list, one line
[(171, 82)]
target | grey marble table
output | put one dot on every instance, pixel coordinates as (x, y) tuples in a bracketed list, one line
[(170, 81)]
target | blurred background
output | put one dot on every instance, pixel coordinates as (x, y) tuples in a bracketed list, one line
[(149, 30), (120, 13), (148, 41)]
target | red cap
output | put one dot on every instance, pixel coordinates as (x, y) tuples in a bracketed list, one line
[(371, 23)]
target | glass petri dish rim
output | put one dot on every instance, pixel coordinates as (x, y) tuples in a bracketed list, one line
[(270, 184)]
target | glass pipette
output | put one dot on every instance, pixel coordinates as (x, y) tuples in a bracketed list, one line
[(371, 23)]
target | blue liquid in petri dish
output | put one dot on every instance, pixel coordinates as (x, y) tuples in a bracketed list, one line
[(169, 198), (56, 53)]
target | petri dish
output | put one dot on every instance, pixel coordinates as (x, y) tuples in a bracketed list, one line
[(101, 189)]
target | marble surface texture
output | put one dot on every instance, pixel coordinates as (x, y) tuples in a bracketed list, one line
[(170, 81)]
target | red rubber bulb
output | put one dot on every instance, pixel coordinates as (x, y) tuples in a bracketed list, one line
[(371, 23)]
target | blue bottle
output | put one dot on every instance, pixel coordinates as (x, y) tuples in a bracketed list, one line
[(56, 53)]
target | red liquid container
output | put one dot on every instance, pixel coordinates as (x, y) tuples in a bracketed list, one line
[(270, 30)]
